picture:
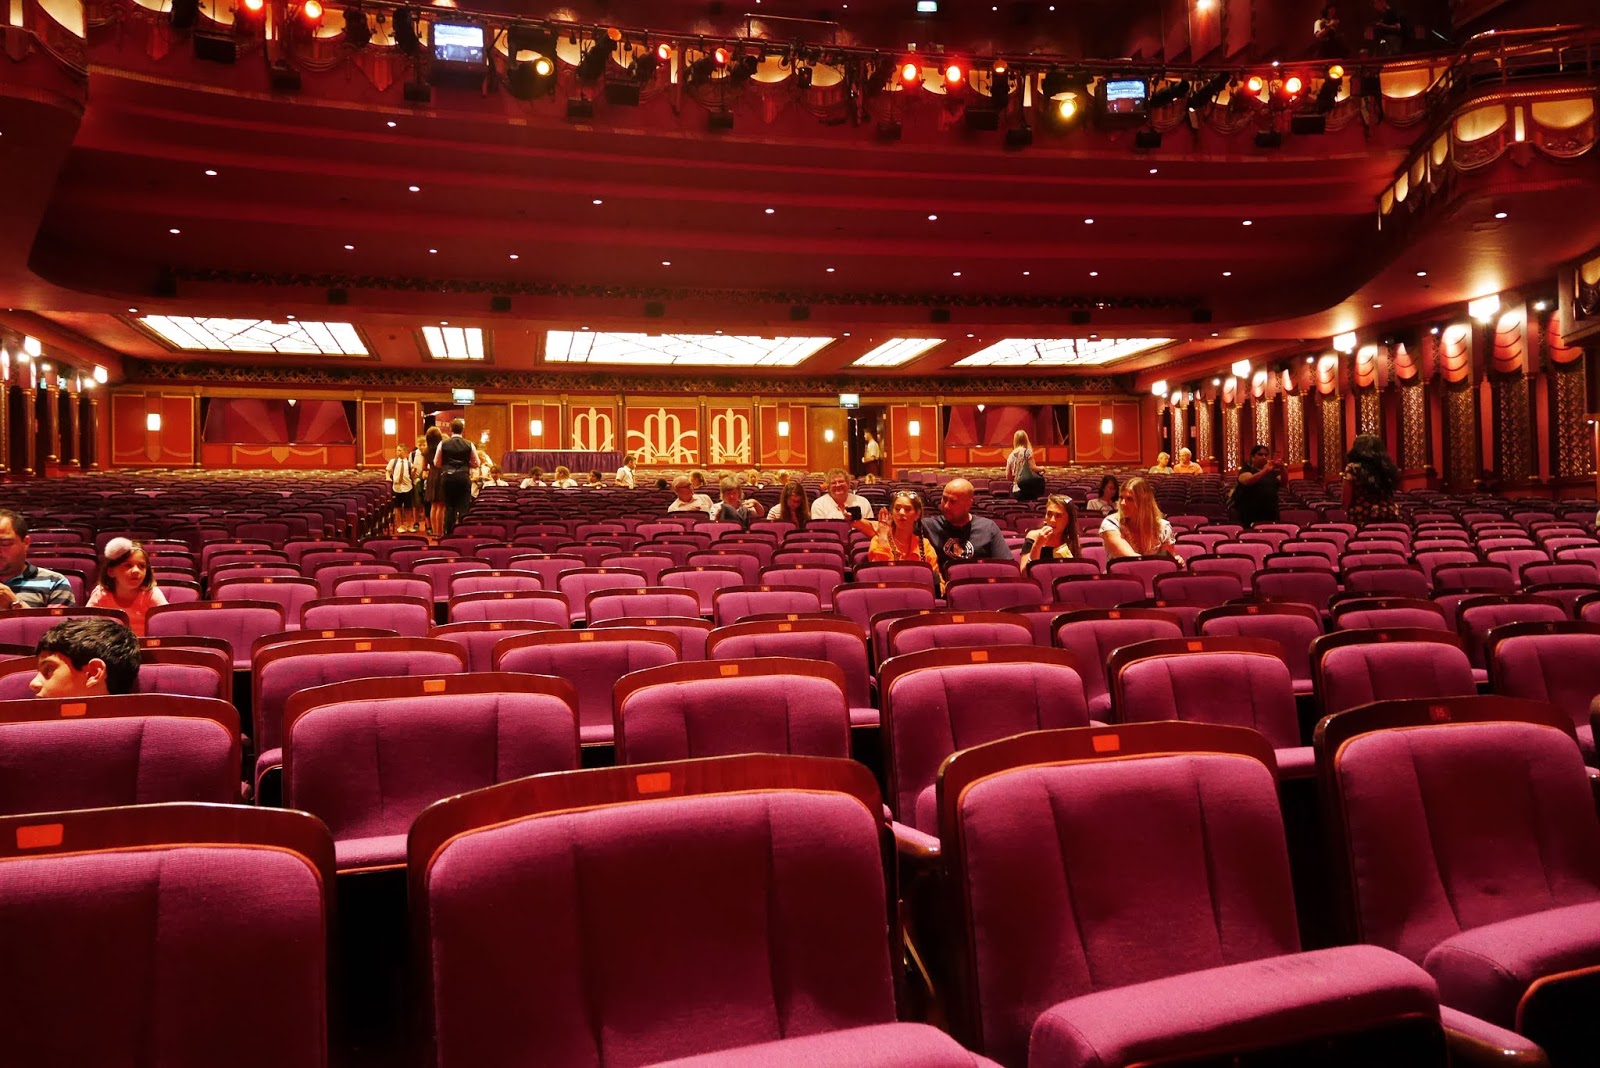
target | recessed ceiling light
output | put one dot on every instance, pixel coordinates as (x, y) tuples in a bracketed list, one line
[(1216, 381), (433, 252), (1422, 274), (349, 248), (174, 230), (1215, 334), (444, 322), (666, 263), (515, 256), (830, 270), (1377, 305), (597, 202), (1311, 359), (391, 124), (289, 317), (847, 333), (1153, 170), (933, 218), (1094, 274), (1088, 222), (769, 211), (1499, 215), (583, 328), (1026, 273), (955, 274), (1248, 222), (1227, 274), (719, 331), (211, 174)]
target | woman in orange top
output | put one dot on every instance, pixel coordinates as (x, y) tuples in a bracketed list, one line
[(126, 583), (899, 538)]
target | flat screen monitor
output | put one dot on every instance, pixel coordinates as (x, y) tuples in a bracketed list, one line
[(1124, 96), (463, 396), (458, 42)]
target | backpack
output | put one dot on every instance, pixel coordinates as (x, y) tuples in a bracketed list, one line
[(1030, 483)]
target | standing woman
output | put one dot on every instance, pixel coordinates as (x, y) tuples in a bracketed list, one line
[(899, 538), (1137, 527), (433, 490), (1056, 538), (126, 583), (1370, 482)]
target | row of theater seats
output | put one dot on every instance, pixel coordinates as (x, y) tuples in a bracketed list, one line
[(1110, 896)]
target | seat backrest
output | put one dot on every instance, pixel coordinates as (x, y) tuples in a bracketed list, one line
[(1387, 580), (1035, 841), (185, 672), (366, 756), (692, 632), (409, 617), (950, 629), (291, 593), (1478, 578), (704, 581), (1098, 593), (837, 642), (548, 566), (648, 563), (821, 580), (1312, 587), (164, 912), (748, 954), (1237, 682), (1457, 814), (1293, 626), (1554, 662), (1206, 591), (546, 607), (328, 575), (1242, 568), (1091, 637), (1387, 613), (495, 580), (239, 623), (1143, 568), (25, 626), (128, 749), (1476, 616), (860, 601), (640, 601), (748, 564), (734, 603), (991, 594), (593, 661), (889, 571), (281, 670), (939, 701), (1356, 667), (479, 637), (771, 704), (383, 586)]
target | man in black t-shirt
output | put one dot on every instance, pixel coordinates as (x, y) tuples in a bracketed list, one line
[(1255, 495), (957, 535)]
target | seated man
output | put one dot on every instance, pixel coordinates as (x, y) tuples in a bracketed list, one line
[(1186, 464), (24, 585), (86, 658), (838, 501), (688, 500), (957, 535)]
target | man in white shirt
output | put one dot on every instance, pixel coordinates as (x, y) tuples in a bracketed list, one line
[(688, 500), (625, 472), (838, 502)]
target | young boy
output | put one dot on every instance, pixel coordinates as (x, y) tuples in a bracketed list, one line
[(86, 658)]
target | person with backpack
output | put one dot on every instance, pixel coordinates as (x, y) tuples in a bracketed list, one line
[(1027, 483), (454, 460), (402, 482)]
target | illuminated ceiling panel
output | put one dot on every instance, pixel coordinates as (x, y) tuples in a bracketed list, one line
[(679, 350), (257, 335), (1060, 352), (454, 342), (896, 351)]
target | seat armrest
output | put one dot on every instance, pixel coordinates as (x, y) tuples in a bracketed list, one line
[(1476, 1043)]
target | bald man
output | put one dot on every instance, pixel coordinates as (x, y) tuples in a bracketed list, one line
[(957, 535)]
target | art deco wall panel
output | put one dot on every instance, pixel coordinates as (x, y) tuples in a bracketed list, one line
[(1089, 442), (661, 432), (729, 435), (906, 447), (536, 424), (136, 441), (592, 425), (783, 434)]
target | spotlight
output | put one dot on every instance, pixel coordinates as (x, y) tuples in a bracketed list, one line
[(663, 52), (311, 11), (643, 67), (1292, 85), (593, 64), (954, 75), (1255, 83), (910, 73), (1067, 107), (405, 32), (356, 28), (1000, 85), (1336, 72), (532, 79), (744, 68), (1206, 93), (1169, 93), (720, 57), (1328, 93), (536, 39), (700, 70)]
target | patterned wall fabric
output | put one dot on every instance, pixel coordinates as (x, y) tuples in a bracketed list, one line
[(1261, 426), (1574, 437), (1294, 424), (1460, 437), (1204, 441), (1513, 430), (1180, 430), (1369, 408), (1230, 437), (1413, 427), (1333, 448)]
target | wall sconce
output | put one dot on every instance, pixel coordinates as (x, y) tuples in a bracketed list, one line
[(100, 374), (1158, 388), (980, 408), (292, 402), (914, 428), (1241, 369), (31, 346), (483, 439), (536, 428), (1107, 426), (390, 428), (827, 435), (152, 422), (783, 428), (1345, 342), (1483, 308)]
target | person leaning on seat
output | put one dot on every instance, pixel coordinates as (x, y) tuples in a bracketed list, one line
[(89, 657), (25, 585)]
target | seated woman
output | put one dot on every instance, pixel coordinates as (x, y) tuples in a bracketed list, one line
[(1105, 496), (793, 505), (899, 537), (1137, 527), (734, 506), (1056, 538), (596, 480), (535, 478), (563, 478), (127, 583), (1163, 464)]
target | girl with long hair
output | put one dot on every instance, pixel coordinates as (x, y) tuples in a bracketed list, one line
[(1057, 537), (793, 505), (899, 538), (1137, 527), (1105, 496), (435, 482), (126, 583), (1371, 480)]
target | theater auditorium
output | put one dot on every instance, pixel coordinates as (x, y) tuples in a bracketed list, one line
[(799, 534)]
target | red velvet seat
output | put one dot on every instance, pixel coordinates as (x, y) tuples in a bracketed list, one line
[(1091, 637), (837, 642), (1356, 667), (592, 661)]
